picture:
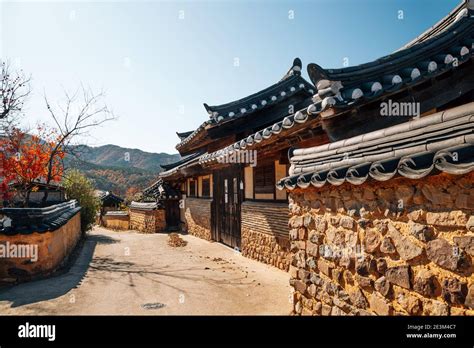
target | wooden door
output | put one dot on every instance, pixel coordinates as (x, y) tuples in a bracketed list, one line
[(172, 214), (226, 219)]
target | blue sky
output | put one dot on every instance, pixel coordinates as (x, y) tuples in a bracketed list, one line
[(158, 68)]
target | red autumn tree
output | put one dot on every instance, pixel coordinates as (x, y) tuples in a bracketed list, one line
[(26, 159)]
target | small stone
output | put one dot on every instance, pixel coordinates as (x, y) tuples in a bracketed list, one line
[(410, 303), (435, 308), (451, 218), (420, 231), (330, 288), (324, 267), (345, 261), (325, 309), (302, 235), (298, 307), (303, 275), (300, 286), (364, 223), (424, 283), (382, 286), (294, 234), (296, 221), (466, 243), (312, 290), (443, 254), (348, 278), (335, 311), (308, 221), (299, 259), (316, 237), (317, 307), (405, 247), (341, 304), (334, 220), (312, 249), (293, 272), (347, 222), (381, 265), (399, 275), (316, 279), (454, 291), (358, 299), (470, 297), (372, 241), (362, 265), (364, 282), (381, 226), (470, 224), (379, 305), (387, 246), (417, 215)]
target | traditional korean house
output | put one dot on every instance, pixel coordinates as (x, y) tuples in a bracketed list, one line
[(167, 198), (110, 202), (230, 165), (235, 203), (382, 217)]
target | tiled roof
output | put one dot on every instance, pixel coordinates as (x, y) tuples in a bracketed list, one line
[(187, 161), (443, 142), (183, 135), (184, 159), (144, 206), (29, 220), (291, 84), (116, 213), (346, 87), (109, 197), (443, 24), (161, 190)]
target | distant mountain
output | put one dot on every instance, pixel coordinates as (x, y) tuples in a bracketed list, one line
[(116, 156), (114, 168)]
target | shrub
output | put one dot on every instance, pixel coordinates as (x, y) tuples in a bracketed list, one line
[(80, 188)]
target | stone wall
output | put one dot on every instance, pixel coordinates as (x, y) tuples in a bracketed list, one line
[(198, 217), (265, 233), (53, 249), (148, 221), (116, 222), (400, 247)]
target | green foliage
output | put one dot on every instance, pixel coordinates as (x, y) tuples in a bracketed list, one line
[(80, 188)]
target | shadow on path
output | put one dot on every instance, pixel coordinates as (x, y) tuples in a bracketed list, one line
[(55, 286)]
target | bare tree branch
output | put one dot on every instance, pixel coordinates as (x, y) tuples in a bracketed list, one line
[(81, 111), (14, 88)]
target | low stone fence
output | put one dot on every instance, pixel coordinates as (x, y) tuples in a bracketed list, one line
[(147, 217), (265, 233), (198, 217), (402, 247), (37, 241), (116, 220)]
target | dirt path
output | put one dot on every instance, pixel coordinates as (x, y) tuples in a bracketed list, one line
[(130, 273)]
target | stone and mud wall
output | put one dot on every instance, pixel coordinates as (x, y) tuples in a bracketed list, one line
[(198, 217), (116, 222), (53, 248), (401, 247), (148, 221), (265, 233)]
